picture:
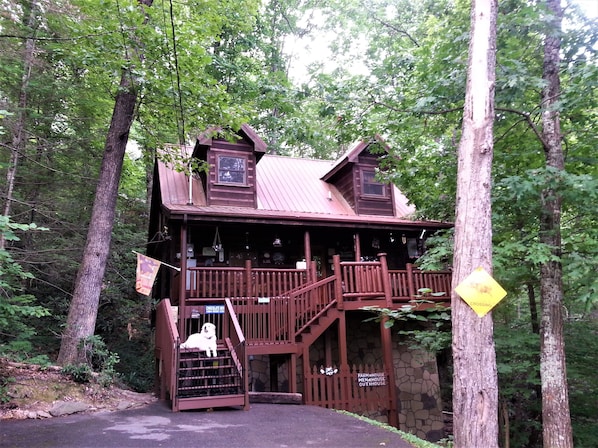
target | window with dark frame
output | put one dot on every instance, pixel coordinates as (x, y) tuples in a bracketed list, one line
[(232, 170), (371, 186)]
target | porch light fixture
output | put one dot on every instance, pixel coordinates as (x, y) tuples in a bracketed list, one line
[(277, 242)]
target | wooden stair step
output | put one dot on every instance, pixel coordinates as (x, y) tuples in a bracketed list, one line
[(200, 376)]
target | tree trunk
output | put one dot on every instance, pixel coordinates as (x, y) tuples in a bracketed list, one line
[(475, 383), (557, 432), (17, 144), (88, 284), (83, 311)]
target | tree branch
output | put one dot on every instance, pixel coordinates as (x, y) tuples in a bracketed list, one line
[(52, 39), (528, 119), (397, 30)]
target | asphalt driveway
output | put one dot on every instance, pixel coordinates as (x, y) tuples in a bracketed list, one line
[(155, 425)]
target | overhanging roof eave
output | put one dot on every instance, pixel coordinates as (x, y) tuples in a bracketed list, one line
[(305, 219)]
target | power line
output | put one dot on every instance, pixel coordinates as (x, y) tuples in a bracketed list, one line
[(178, 77), (166, 55)]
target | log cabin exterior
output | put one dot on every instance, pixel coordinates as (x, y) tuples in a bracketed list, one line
[(282, 254)]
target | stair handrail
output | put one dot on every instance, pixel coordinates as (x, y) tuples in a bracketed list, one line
[(235, 337), (313, 311), (166, 341), (232, 316)]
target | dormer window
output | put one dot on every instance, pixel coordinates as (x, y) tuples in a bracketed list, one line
[(232, 170), (370, 186)]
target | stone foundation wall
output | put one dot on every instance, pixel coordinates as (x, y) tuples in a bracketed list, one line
[(418, 385)]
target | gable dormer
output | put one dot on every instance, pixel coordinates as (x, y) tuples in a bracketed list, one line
[(230, 179), (354, 175)]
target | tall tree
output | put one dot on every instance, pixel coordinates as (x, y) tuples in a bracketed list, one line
[(557, 432), (177, 67), (31, 22), (83, 310), (475, 383)]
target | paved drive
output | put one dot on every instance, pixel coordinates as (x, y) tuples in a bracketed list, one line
[(263, 426)]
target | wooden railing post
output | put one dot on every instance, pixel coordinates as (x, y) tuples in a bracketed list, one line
[(248, 282), (385, 279), (313, 276), (410, 281), (338, 275), (308, 260)]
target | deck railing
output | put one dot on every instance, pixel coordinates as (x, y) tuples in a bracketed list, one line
[(217, 282), (309, 302), (361, 280), (408, 284), (277, 304), (265, 320)]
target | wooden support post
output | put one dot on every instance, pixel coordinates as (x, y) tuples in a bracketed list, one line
[(327, 349), (306, 370), (336, 260), (342, 338), (393, 413), (293, 374), (183, 283), (307, 252), (385, 279), (344, 358), (357, 246)]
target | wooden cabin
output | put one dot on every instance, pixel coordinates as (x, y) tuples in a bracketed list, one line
[(282, 254)]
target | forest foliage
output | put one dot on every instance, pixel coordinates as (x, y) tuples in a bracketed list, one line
[(227, 62)]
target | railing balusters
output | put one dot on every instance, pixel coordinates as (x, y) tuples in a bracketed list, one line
[(289, 303)]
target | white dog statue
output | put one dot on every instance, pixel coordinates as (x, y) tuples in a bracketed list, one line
[(205, 340)]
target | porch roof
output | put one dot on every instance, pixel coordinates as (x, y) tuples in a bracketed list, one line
[(288, 189)]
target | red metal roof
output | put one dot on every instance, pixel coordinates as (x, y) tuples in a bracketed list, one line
[(288, 189)]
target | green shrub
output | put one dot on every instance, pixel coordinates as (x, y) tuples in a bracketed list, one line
[(98, 359), (79, 373)]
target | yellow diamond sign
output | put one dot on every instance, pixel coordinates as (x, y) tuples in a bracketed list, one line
[(480, 291)]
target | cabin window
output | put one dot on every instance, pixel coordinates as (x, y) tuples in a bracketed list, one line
[(232, 170), (371, 186)]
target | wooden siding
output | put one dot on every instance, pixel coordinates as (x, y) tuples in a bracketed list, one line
[(345, 186), (370, 204), (232, 194)]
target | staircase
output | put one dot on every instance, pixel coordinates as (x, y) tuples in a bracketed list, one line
[(205, 382), (308, 334)]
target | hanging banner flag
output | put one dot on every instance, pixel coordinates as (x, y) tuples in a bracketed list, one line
[(147, 269)]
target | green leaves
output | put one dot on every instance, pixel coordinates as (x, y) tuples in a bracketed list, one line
[(16, 306), (431, 334)]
